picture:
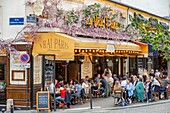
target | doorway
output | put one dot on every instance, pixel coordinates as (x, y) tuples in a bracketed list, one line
[(2, 80)]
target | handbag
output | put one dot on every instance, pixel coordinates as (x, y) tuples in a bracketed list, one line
[(61, 105), (168, 89)]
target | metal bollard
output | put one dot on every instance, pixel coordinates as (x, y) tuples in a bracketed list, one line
[(3, 110), (12, 108)]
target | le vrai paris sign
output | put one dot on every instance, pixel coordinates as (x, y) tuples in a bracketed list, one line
[(106, 22)]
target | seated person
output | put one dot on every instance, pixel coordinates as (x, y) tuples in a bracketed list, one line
[(62, 95), (103, 85), (117, 91), (129, 90), (77, 92), (140, 92), (85, 86), (163, 86), (155, 85)]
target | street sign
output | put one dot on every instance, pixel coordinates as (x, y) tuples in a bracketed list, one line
[(16, 21), (24, 58), (31, 19), (25, 65)]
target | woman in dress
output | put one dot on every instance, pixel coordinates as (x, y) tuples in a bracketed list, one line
[(140, 92)]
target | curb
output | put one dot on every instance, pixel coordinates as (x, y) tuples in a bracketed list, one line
[(138, 105)]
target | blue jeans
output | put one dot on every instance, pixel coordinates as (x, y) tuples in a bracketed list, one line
[(59, 99)]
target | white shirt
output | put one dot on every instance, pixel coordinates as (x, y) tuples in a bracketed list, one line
[(155, 82), (85, 86), (110, 81), (123, 83)]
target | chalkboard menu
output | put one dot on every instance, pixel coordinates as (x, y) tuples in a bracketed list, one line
[(43, 100)]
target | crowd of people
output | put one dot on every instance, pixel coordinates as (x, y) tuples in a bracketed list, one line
[(140, 88), (127, 89)]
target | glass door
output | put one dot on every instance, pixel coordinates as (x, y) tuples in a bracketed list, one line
[(2, 84)]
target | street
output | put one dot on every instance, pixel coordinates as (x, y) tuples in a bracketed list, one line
[(104, 105)]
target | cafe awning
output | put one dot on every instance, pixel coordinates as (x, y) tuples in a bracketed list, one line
[(88, 43), (61, 45)]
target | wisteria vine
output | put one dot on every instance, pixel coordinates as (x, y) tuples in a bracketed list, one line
[(73, 23)]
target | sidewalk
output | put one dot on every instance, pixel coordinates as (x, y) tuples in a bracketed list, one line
[(104, 105)]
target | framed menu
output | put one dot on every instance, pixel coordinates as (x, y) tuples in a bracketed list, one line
[(18, 75)]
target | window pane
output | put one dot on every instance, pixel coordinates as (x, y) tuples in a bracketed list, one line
[(2, 72)]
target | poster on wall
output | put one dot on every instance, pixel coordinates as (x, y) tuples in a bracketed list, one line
[(86, 68), (37, 69), (17, 73)]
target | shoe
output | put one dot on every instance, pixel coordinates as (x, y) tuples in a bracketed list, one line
[(130, 101)]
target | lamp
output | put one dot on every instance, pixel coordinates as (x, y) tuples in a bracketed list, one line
[(67, 61), (107, 60)]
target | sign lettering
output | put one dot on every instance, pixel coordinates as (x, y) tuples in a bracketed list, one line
[(52, 43), (102, 22)]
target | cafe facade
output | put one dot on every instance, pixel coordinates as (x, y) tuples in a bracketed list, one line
[(65, 52)]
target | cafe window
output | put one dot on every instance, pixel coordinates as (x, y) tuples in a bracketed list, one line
[(2, 72)]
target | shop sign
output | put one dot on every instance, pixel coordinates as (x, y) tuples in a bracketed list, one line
[(38, 7), (151, 52), (16, 21), (25, 65), (53, 43), (102, 22)]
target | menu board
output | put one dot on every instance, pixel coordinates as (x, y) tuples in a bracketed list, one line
[(86, 68), (37, 69), (43, 100)]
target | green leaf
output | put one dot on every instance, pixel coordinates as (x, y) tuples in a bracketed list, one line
[(131, 18)]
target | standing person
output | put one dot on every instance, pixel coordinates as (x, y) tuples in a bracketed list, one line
[(57, 84), (140, 92), (99, 70), (110, 82), (135, 81), (107, 70)]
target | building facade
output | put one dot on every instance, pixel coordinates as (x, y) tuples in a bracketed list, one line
[(59, 52)]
